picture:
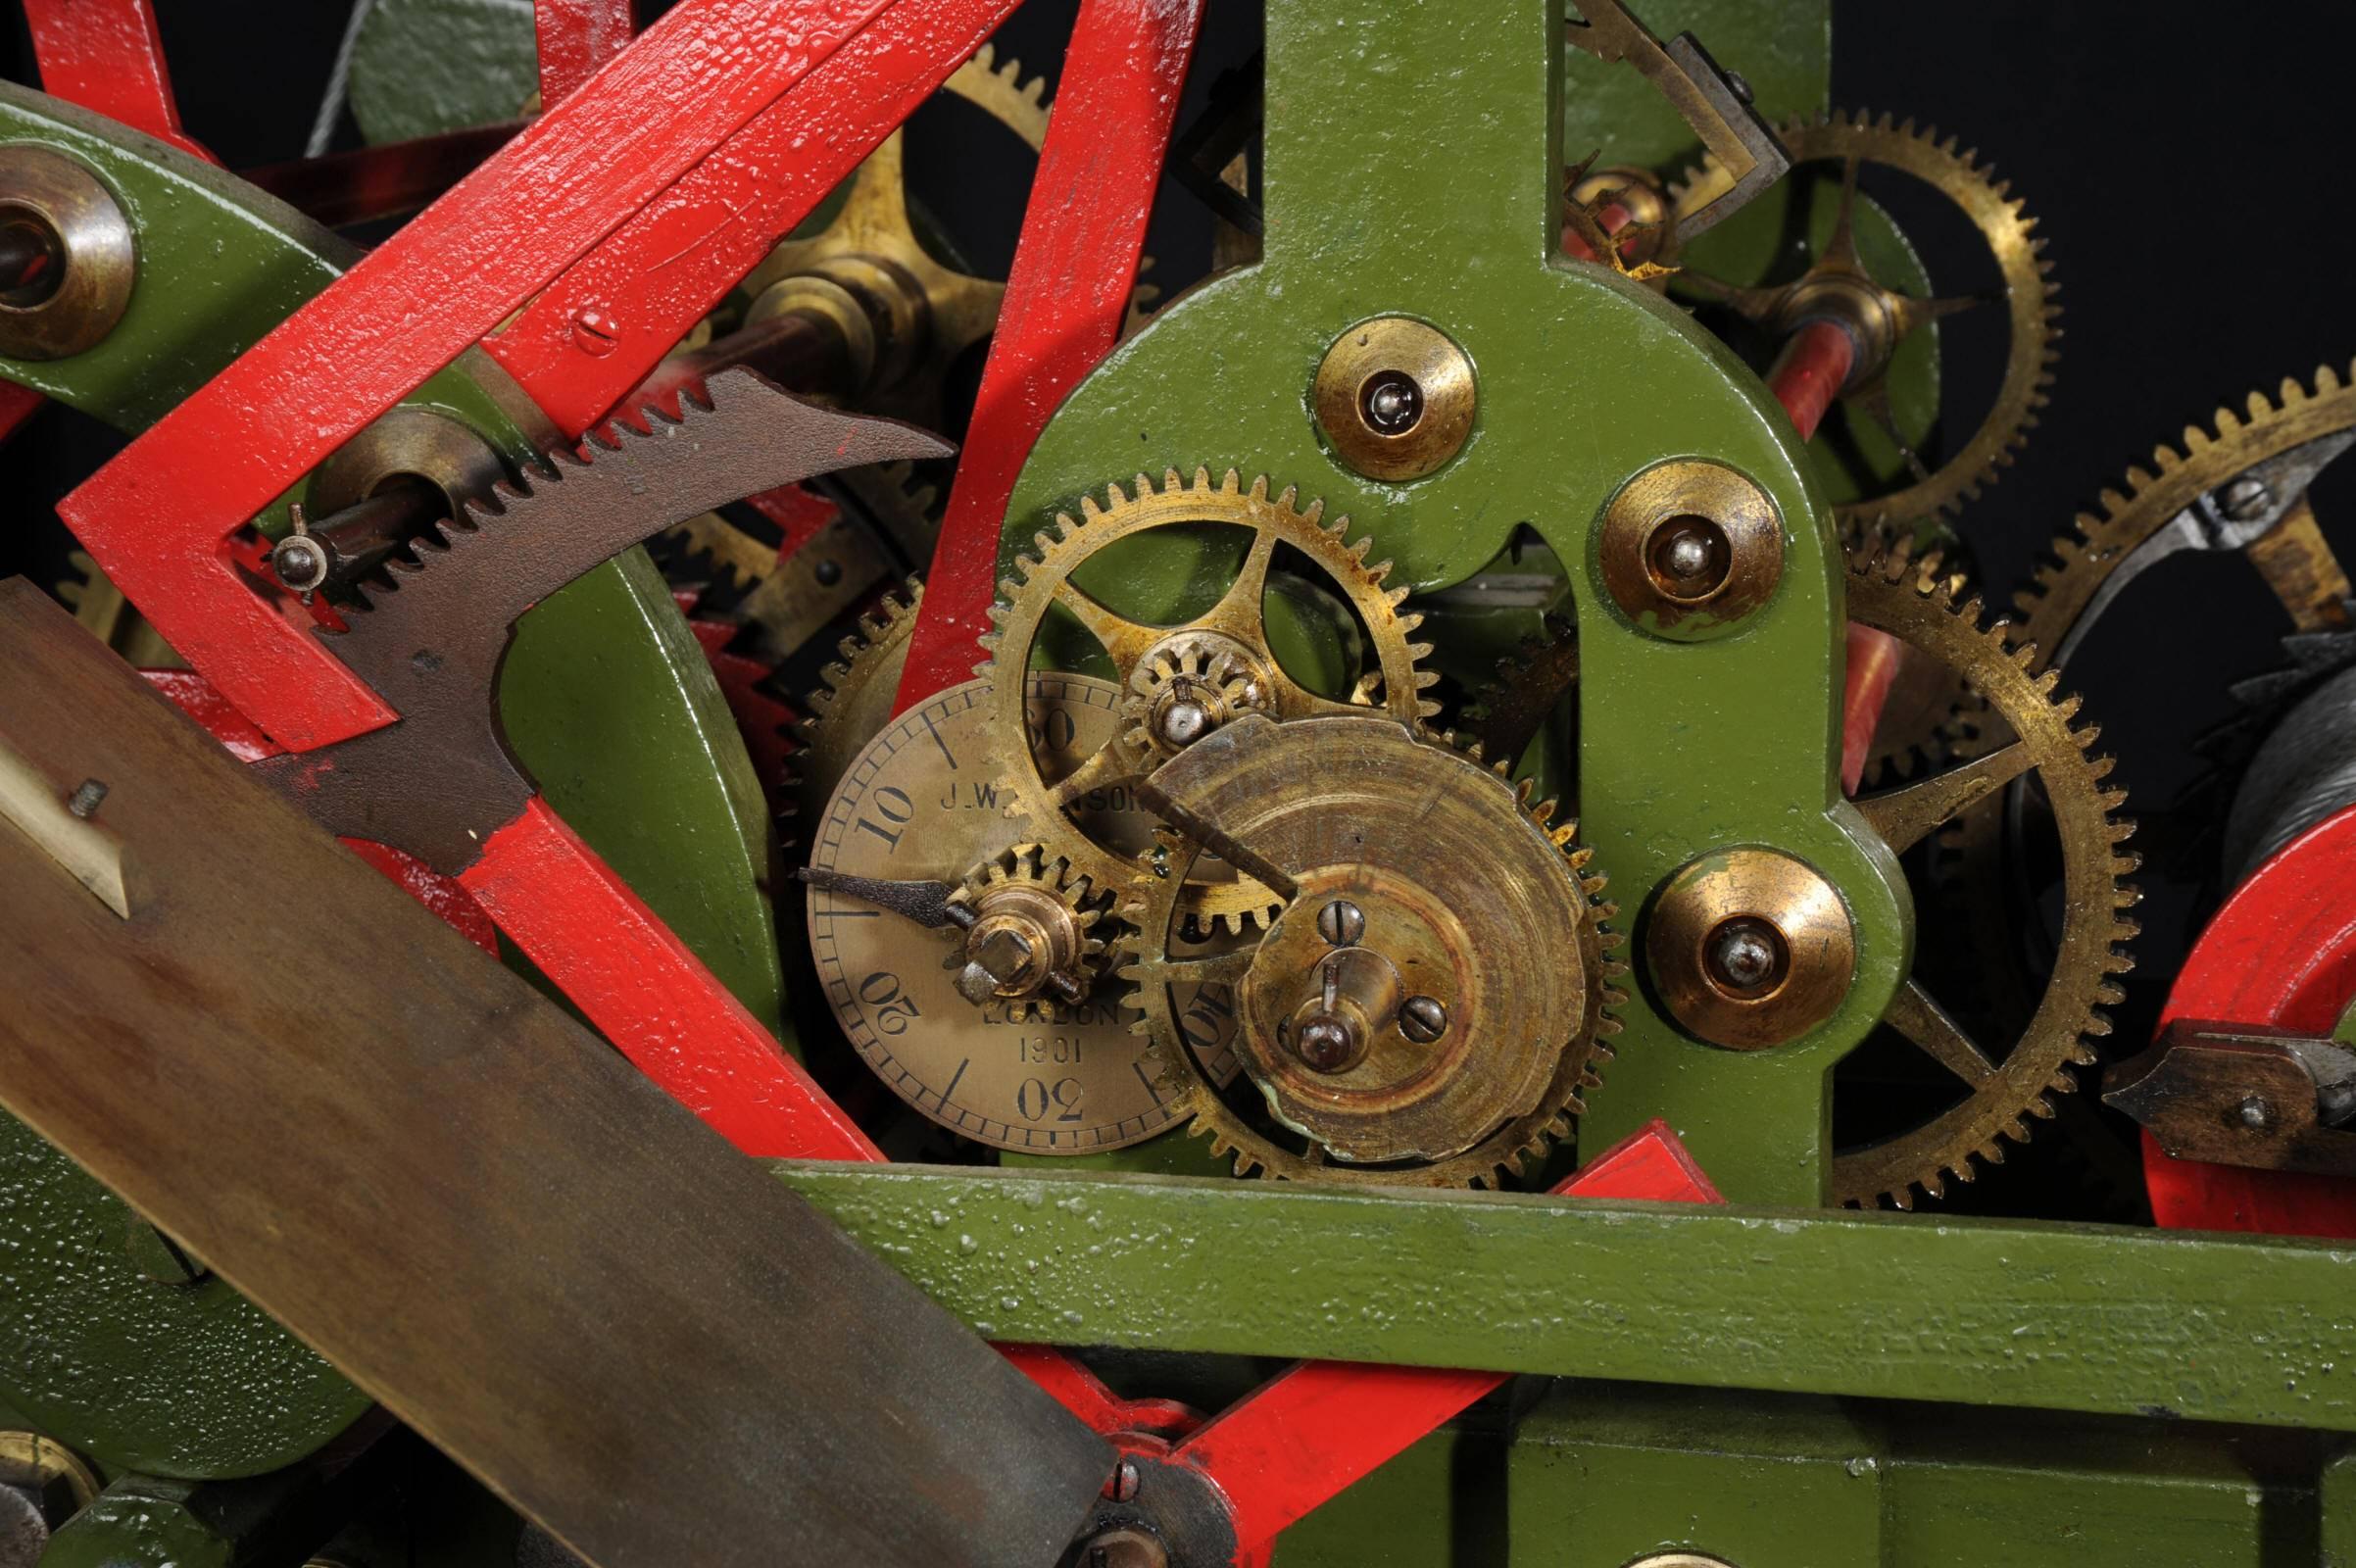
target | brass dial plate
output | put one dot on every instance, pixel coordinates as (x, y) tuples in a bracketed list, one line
[(922, 802)]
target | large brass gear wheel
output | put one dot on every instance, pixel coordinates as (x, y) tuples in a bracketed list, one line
[(2286, 545), (2024, 729), (1233, 632), (1450, 924), (1836, 285)]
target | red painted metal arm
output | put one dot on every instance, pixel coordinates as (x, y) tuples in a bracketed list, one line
[(154, 517), (105, 55), (1806, 379), (576, 38), (596, 332), (608, 953), (1074, 269), (1319, 1426)]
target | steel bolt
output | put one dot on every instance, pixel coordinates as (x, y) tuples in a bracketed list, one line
[(1747, 954), (1342, 923), (1391, 403), (1689, 557), (301, 564), (2255, 1112), (1423, 1020), (1182, 720), (86, 795), (2247, 499), (1326, 1044)]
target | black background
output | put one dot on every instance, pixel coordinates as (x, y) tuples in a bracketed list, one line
[(2185, 161)]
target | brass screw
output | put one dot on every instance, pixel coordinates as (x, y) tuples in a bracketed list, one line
[(1124, 1547)]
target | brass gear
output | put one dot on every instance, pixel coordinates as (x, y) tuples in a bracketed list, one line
[(1401, 825), (854, 702), (2031, 730), (1028, 869), (1043, 579), (2005, 226), (2132, 513)]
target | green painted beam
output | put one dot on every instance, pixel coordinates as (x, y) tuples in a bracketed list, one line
[(2062, 1317)]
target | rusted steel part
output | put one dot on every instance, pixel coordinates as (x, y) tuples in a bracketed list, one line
[(105, 55), (1066, 297), (2281, 952), (589, 1285), (154, 516), (576, 38)]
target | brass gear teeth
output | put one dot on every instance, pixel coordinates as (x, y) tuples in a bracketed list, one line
[(1508, 1153), (854, 697), (1922, 609), (1032, 863), (2005, 222), (1001, 91), (2131, 512), (1042, 575)]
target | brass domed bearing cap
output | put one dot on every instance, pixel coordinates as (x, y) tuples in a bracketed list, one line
[(1749, 949), (67, 258), (1688, 549), (1394, 398)]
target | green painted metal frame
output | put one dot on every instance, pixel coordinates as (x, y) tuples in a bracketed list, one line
[(2100, 1320), (1584, 380)]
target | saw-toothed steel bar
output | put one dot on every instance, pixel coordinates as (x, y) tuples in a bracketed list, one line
[(440, 782)]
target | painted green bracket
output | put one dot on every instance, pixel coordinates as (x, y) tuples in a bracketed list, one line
[(606, 695), (1385, 195), (2044, 1316)]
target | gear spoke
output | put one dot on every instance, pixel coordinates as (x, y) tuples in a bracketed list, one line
[(1107, 766), (2298, 564), (1917, 1014), (1910, 314), (1905, 816), (1124, 640), (1875, 401), (1841, 248), (1240, 605), (1755, 304)]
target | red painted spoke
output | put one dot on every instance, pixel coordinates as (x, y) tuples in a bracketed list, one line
[(154, 516), (105, 56), (1074, 268), (576, 38), (590, 934), (1319, 1426), (663, 270)]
